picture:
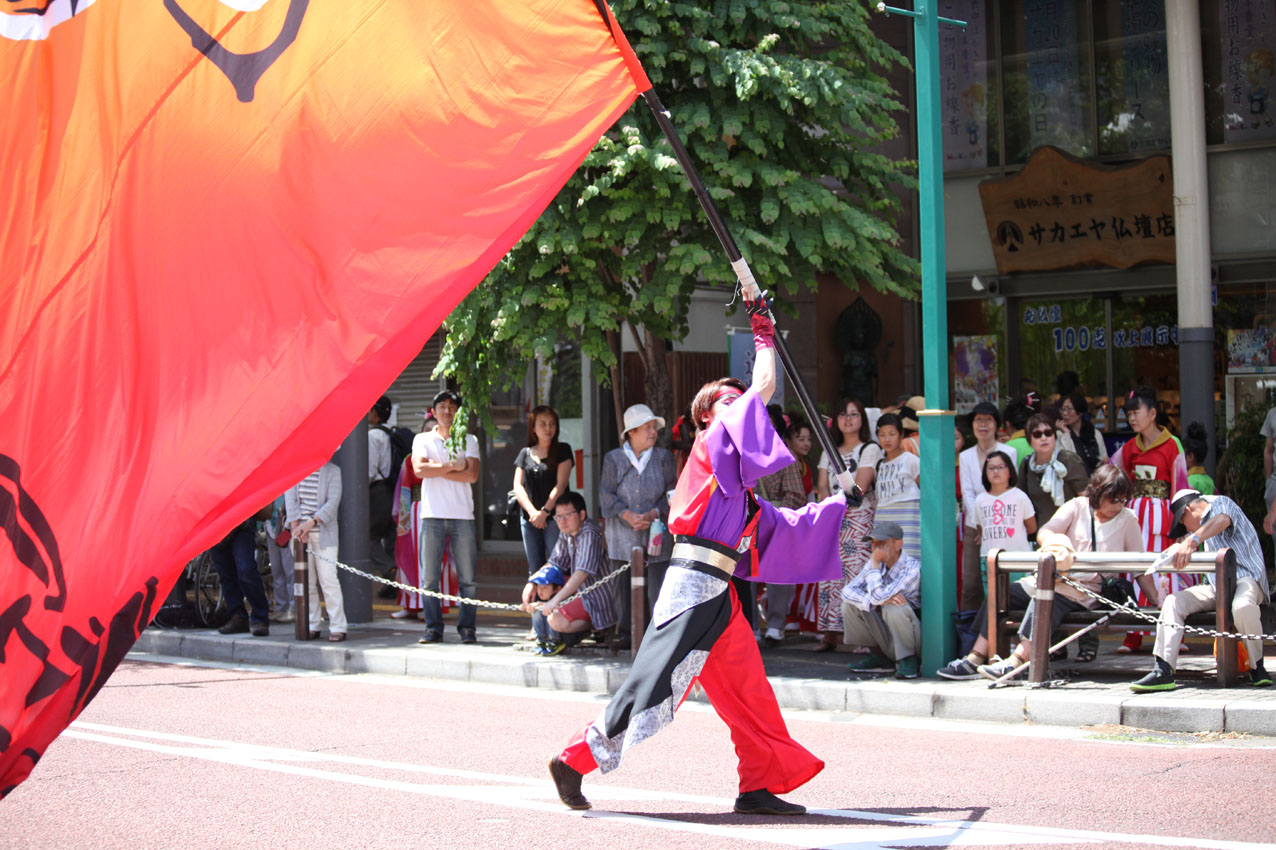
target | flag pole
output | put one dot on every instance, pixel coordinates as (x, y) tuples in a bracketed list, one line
[(745, 276)]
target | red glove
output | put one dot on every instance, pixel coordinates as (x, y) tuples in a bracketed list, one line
[(762, 324), (763, 332)]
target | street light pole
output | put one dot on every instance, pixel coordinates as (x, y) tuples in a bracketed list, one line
[(938, 461)]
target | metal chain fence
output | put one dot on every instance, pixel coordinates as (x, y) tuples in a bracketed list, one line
[(1156, 620), (464, 600)]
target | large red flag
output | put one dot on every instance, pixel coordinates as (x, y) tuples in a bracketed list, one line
[(224, 228)]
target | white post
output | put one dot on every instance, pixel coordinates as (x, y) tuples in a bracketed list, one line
[(1192, 216)]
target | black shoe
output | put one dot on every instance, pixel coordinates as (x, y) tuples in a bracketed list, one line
[(261, 629), (237, 624), (468, 636), (432, 637), (567, 781), (763, 802), (1160, 679), (1258, 676)]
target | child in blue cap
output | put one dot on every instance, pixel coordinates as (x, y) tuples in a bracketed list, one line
[(540, 588)]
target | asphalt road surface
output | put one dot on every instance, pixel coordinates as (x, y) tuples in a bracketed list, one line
[(208, 756)]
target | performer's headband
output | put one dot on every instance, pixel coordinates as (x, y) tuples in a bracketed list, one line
[(726, 394)]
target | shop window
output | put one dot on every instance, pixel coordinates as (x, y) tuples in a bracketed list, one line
[(969, 87), (977, 346), (1047, 77), (1245, 328), (1061, 335), (1131, 78), (1239, 53), (1144, 340)]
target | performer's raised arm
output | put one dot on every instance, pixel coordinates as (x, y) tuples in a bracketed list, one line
[(764, 346)]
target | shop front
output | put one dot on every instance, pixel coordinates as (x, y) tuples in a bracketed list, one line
[(1060, 205)]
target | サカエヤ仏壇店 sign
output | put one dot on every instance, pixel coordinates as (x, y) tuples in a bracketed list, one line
[(1062, 212)]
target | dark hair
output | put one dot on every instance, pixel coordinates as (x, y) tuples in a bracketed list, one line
[(383, 408), (777, 418), (1080, 403), (1108, 481), (1039, 419), (1018, 411), (891, 420), (1066, 382), (984, 408), (573, 498), (1194, 443), (1014, 479), (446, 395), (703, 402), (835, 433), (552, 459), (1142, 395), (796, 424)]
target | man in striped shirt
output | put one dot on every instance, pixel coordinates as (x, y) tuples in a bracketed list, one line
[(880, 605), (1221, 524), (580, 555)]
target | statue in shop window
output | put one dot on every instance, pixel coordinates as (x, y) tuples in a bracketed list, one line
[(858, 332)]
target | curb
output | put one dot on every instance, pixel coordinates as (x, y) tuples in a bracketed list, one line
[(1186, 710)]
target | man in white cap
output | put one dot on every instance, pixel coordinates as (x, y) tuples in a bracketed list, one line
[(880, 606), (1221, 524)]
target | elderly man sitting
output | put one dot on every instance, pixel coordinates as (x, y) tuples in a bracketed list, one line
[(1221, 524), (880, 605)]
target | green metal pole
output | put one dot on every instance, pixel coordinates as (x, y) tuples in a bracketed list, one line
[(939, 503)]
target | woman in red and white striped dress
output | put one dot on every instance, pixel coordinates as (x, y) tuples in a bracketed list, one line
[(1154, 462)]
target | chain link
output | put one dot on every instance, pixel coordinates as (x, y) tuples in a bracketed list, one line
[(464, 600), (1156, 620)]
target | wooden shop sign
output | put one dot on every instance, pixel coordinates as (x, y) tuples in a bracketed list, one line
[(1062, 212)]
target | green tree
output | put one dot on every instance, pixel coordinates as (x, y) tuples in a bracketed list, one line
[(781, 105)]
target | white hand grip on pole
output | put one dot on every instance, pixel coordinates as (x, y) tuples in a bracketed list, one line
[(748, 285)]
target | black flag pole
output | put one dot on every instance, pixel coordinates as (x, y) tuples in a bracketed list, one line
[(745, 276)]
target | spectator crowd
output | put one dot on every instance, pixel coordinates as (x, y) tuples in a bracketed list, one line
[(1034, 475)]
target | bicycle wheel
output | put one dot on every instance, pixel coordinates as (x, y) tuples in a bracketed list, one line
[(210, 607)]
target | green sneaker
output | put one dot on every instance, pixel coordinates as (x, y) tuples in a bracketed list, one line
[(1157, 680), (871, 663), (1258, 676), (908, 668), (552, 648)]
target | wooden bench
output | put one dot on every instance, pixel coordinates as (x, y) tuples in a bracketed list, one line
[(1003, 624)]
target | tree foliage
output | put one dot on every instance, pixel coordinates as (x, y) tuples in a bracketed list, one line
[(781, 105)]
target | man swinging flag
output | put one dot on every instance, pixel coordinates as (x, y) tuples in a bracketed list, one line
[(224, 228)]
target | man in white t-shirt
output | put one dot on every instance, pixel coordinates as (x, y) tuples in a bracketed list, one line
[(447, 514)]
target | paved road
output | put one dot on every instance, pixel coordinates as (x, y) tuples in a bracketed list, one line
[(208, 756)]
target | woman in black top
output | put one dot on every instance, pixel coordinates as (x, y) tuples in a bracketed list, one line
[(540, 476), (1078, 435)]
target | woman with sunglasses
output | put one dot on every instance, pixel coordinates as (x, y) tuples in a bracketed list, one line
[(1048, 474)]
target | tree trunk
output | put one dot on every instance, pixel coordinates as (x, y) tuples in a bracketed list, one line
[(617, 391), (656, 383)]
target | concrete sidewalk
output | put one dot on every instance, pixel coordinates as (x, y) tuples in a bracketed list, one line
[(1083, 695)]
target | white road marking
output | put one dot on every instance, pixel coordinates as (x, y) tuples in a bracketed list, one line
[(538, 794), (925, 724)]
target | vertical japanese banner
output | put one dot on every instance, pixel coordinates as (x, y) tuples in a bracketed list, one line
[(1147, 86), (1057, 104), (975, 376), (963, 72), (740, 360), (1248, 32)]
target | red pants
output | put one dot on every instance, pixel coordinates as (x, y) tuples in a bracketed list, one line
[(735, 681)]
